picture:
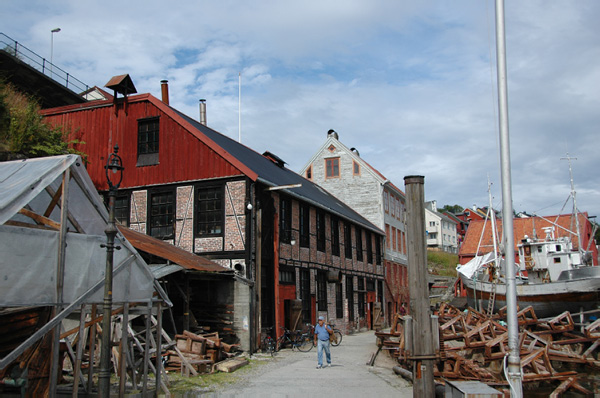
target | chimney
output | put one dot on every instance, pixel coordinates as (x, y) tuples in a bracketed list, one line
[(164, 88), (334, 133), (203, 112), (355, 151)]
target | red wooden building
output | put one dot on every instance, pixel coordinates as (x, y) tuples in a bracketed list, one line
[(296, 249)]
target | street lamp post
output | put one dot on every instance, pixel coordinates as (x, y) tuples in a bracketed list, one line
[(114, 176), (52, 32)]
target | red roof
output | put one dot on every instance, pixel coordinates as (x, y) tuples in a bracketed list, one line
[(532, 227)]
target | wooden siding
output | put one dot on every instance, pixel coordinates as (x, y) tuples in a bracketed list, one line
[(182, 155)]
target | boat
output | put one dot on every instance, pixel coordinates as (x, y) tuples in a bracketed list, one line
[(552, 277)]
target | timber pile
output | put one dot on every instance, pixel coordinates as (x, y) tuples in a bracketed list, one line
[(200, 351), (473, 347)]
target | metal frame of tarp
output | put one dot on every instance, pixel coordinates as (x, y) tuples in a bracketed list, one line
[(52, 223)]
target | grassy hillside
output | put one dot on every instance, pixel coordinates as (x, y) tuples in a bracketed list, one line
[(442, 263)]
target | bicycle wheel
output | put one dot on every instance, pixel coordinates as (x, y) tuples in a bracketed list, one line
[(338, 338), (304, 343)]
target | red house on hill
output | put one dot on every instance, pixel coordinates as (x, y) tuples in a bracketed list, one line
[(531, 226), (296, 249)]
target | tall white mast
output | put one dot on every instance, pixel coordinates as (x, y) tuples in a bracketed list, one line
[(574, 196), (514, 363)]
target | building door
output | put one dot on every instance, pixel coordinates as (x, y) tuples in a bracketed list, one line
[(267, 281)]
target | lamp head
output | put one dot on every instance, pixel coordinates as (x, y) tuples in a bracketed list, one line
[(114, 164)]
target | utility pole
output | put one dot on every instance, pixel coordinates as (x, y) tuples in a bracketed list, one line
[(423, 352)]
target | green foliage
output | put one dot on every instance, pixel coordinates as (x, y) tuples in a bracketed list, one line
[(442, 263), (456, 209), (23, 130)]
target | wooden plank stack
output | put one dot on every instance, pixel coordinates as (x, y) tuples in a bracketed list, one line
[(201, 351), (473, 347)]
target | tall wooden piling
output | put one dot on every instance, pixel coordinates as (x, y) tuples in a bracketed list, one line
[(423, 354)]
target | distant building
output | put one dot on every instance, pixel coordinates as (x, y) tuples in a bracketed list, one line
[(341, 171), (441, 230)]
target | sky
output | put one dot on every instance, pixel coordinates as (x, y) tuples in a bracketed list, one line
[(411, 85)]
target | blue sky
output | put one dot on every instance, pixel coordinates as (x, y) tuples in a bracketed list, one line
[(410, 84)]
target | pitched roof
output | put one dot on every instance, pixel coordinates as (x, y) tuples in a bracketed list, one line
[(531, 227), (160, 248), (270, 173)]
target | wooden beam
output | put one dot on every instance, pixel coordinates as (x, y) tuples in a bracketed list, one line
[(40, 220)]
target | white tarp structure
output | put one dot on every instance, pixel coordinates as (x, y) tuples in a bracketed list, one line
[(30, 221), (477, 262)]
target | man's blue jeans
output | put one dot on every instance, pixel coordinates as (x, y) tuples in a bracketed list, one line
[(323, 345)]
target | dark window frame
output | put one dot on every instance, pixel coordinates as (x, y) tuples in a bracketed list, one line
[(209, 212), (348, 240), (361, 297), (369, 247), (339, 301), (123, 208), (287, 275), (377, 249), (159, 215), (322, 290), (335, 236), (359, 247), (320, 231), (285, 220), (350, 296), (148, 141), (305, 294), (304, 225)]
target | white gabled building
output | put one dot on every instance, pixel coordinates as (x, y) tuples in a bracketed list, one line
[(441, 230), (342, 172)]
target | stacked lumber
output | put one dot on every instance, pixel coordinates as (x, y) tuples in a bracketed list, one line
[(473, 346), (198, 351)]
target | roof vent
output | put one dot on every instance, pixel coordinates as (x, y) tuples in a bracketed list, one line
[(333, 133), (274, 158), (203, 112), (121, 84), (354, 150)]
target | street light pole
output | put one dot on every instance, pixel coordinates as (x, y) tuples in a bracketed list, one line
[(113, 166), (52, 32)]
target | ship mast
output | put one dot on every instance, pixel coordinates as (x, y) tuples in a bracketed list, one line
[(574, 196)]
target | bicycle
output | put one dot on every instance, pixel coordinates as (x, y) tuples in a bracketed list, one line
[(305, 341), (337, 336), (268, 344), (288, 337)]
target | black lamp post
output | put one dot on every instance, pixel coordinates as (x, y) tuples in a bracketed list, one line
[(114, 176)]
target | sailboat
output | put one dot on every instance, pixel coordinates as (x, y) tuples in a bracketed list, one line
[(551, 276)]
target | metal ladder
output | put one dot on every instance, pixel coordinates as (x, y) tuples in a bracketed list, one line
[(492, 299)]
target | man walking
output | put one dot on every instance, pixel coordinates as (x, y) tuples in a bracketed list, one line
[(322, 333)]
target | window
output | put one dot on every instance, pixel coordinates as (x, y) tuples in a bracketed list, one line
[(347, 240), (209, 211), (370, 285), (359, 246), (162, 212), (339, 302), (332, 167), (322, 290), (287, 275), (369, 247), (378, 249), (335, 236), (309, 173), (361, 297), (393, 205), (432, 223), (388, 237), (305, 294), (320, 231), (285, 220), (304, 225), (148, 141), (350, 296), (386, 201), (122, 209), (355, 168)]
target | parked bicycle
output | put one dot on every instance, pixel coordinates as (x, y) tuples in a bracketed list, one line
[(305, 340), (268, 343), (293, 339)]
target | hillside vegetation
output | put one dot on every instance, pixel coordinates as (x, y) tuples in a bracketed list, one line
[(442, 263)]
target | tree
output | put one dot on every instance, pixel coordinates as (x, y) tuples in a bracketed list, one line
[(456, 209), (23, 130)]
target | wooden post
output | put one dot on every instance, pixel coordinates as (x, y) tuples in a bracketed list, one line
[(423, 351)]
